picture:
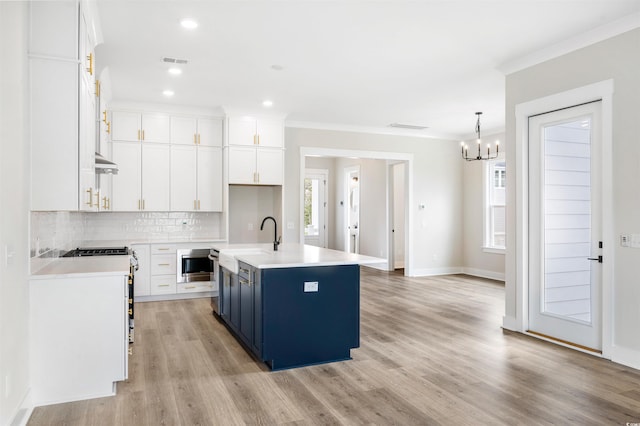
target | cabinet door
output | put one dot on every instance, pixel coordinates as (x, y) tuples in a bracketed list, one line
[(242, 130), (141, 282), (89, 197), (156, 184), (224, 291), (126, 184), (54, 134), (183, 178), (209, 132), (125, 126), (209, 179), (156, 128), (246, 310), (163, 284), (270, 133), (269, 166), (242, 165), (234, 301), (183, 130)]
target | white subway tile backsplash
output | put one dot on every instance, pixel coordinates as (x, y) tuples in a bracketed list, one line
[(65, 230)]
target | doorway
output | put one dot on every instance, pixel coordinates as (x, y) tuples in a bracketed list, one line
[(315, 207), (565, 235), (397, 215), (352, 212)]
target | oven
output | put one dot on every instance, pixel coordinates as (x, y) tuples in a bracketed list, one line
[(195, 265)]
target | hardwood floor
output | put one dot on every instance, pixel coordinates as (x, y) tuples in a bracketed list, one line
[(432, 352)]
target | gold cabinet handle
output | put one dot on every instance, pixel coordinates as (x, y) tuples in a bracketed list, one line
[(139, 135), (255, 140), (195, 205), (105, 205), (195, 139), (143, 207), (97, 88), (162, 248), (198, 204), (97, 195), (164, 285), (90, 192), (191, 286), (108, 127), (163, 264), (139, 204), (90, 59), (104, 116), (199, 141), (143, 135)]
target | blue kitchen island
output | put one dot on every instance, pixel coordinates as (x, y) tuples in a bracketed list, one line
[(293, 307)]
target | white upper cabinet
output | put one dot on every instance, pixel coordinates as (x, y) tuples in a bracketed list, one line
[(134, 126), (62, 107), (155, 177), (196, 131), (269, 166), (256, 132), (126, 186), (196, 178)]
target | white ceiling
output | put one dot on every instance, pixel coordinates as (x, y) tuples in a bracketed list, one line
[(364, 64)]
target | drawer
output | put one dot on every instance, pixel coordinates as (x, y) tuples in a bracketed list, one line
[(163, 248), (163, 284), (163, 264), (195, 287)]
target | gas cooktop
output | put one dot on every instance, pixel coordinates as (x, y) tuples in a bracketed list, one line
[(97, 251)]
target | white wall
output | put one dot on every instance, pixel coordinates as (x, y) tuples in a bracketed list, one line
[(476, 260), (617, 58), (14, 211), (249, 205), (437, 183)]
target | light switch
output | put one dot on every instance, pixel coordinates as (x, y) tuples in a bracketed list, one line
[(624, 240), (290, 225), (310, 286)]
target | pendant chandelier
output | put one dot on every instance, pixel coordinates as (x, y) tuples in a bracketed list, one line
[(489, 156)]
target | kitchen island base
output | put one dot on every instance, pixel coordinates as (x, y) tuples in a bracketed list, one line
[(293, 317)]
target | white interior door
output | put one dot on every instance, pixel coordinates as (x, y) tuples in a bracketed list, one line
[(315, 207), (565, 228), (398, 230), (352, 212)]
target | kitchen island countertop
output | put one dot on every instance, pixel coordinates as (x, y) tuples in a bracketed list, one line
[(291, 255)]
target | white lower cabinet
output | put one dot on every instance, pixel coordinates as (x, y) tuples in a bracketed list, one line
[(163, 284), (194, 287), (79, 337)]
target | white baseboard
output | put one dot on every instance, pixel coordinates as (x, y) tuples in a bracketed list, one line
[(483, 273), (626, 356), (379, 266), (430, 272), (23, 413), (510, 323), (399, 264)]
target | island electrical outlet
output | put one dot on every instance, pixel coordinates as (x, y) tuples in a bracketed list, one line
[(310, 286)]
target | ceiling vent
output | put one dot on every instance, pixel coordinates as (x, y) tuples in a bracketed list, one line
[(174, 60), (408, 126)]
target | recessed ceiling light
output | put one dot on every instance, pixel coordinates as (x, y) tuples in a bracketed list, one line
[(168, 93), (189, 24), (267, 103), (175, 71), (277, 67)]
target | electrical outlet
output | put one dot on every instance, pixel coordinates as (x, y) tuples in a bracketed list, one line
[(291, 225), (310, 286), (250, 226), (624, 240)]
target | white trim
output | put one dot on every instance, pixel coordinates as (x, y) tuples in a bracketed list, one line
[(483, 273), (432, 272), (566, 345), (325, 175), (494, 250), (510, 323), (588, 38), (379, 266), (147, 107), (604, 91), (23, 411), (625, 356)]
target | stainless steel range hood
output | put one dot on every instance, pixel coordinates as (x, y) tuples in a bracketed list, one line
[(105, 166)]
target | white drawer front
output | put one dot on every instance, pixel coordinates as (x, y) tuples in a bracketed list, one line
[(163, 264), (163, 248), (195, 287), (163, 284)]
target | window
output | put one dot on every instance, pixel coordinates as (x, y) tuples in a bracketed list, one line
[(311, 207), (495, 212)]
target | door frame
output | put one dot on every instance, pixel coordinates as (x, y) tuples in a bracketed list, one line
[(392, 213), (518, 255), (373, 155), (347, 172), (325, 193)]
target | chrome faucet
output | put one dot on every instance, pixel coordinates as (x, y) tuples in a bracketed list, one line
[(276, 240)]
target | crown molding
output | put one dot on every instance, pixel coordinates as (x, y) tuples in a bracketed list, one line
[(588, 38), (391, 131)]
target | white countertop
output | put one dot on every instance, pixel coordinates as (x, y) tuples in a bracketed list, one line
[(294, 256), (88, 266)]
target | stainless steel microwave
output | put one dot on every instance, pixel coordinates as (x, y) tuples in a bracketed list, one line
[(195, 265)]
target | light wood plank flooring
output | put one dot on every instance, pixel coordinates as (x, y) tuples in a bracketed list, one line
[(432, 352)]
